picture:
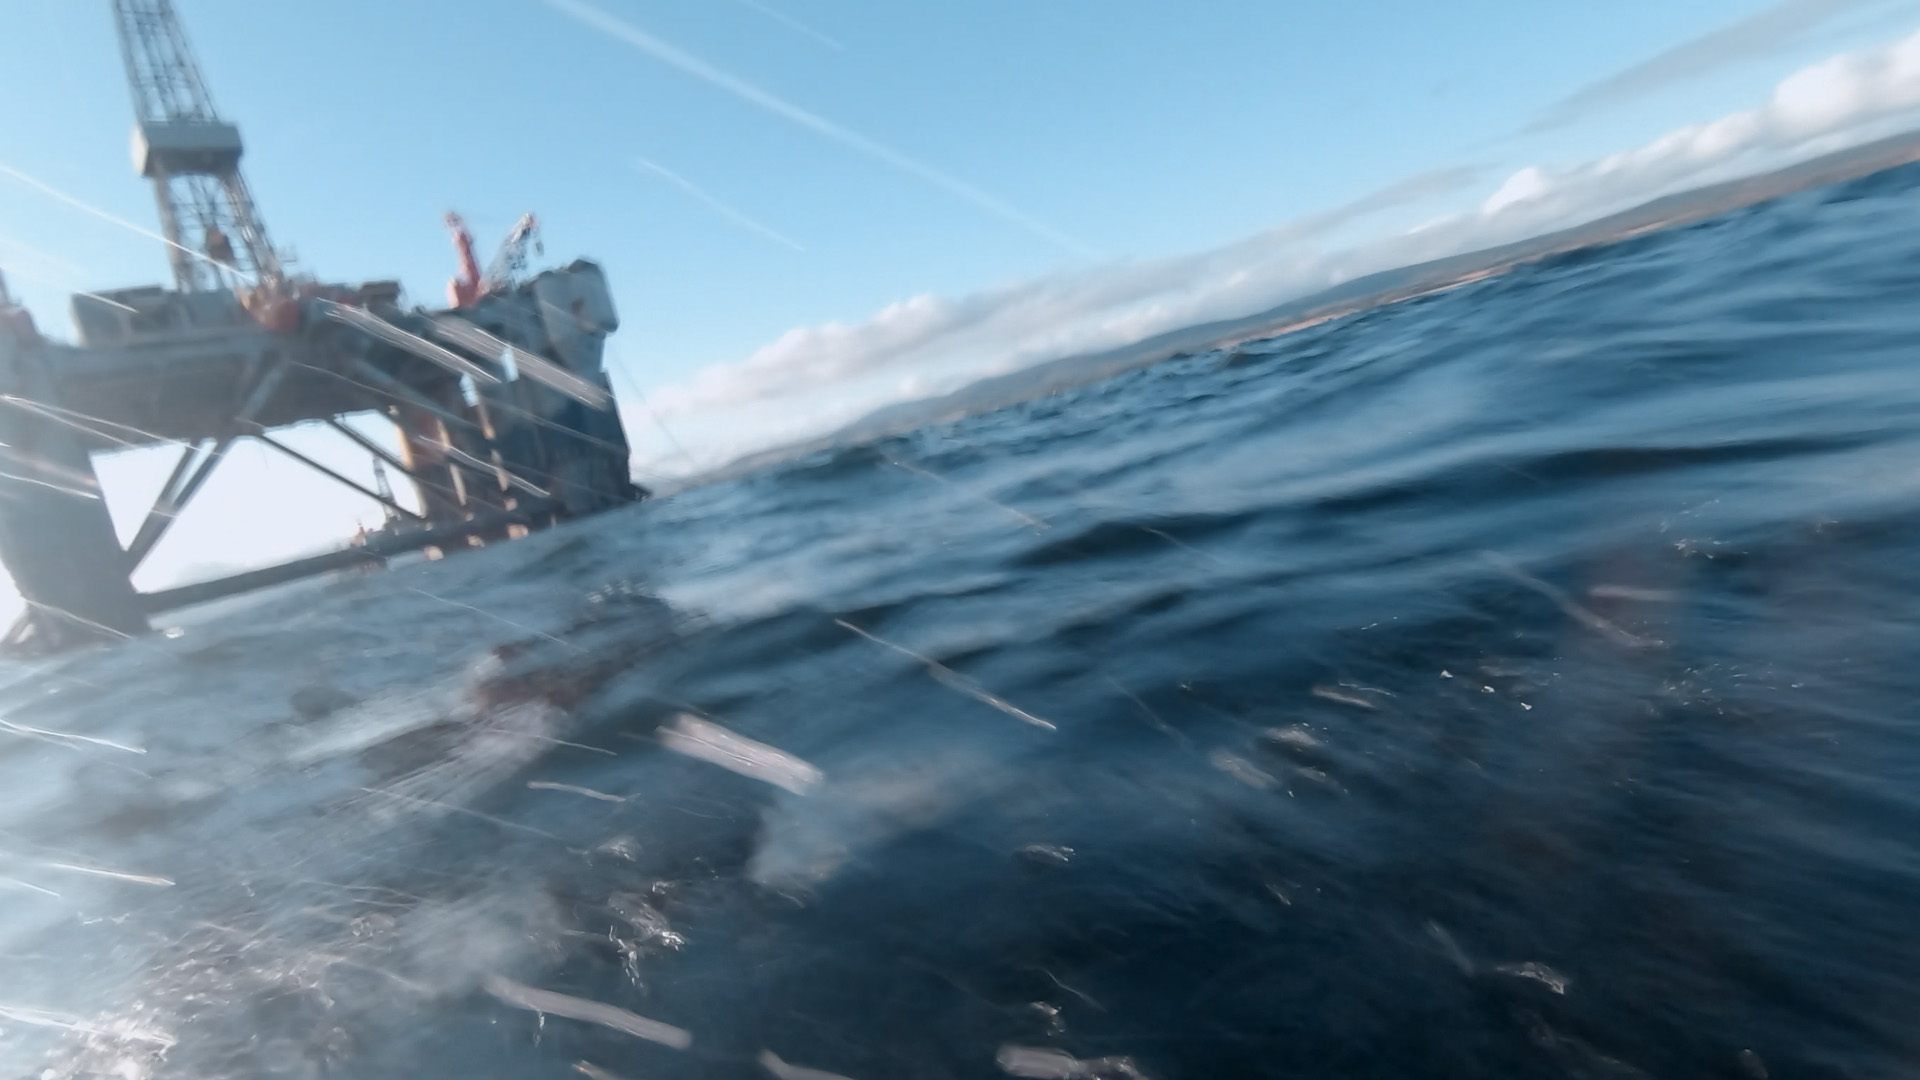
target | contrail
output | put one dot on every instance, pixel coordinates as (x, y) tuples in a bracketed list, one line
[(49, 190), (27, 275), (794, 24), (43, 257), (694, 192), (819, 125)]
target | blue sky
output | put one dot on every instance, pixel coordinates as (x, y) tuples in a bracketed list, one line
[(822, 201)]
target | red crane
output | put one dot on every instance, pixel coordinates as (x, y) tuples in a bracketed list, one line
[(462, 291), (505, 270)]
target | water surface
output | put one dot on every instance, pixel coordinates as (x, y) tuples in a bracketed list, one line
[(1514, 682)]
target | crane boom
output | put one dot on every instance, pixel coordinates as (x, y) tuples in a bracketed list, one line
[(463, 290), (510, 262), (503, 274), (191, 155)]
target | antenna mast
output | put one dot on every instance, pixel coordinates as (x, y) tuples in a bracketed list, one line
[(191, 155)]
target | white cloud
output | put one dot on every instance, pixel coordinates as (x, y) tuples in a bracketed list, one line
[(813, 379), (1010, 325), (1761, 34), (1847, 98), (1528, 183)]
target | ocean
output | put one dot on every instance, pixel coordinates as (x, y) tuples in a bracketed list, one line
[(1518, 681)]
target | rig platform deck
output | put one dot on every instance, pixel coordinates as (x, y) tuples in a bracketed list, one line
[(506, 418)]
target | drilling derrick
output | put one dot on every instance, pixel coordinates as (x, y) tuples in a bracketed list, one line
[(502, 415), (191, 155)]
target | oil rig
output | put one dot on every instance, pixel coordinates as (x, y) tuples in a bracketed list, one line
[(506, 419)]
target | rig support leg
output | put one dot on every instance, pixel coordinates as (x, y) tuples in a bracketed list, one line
[(56, 537)]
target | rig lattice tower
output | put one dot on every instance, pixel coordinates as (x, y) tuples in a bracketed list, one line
[(191, 155)]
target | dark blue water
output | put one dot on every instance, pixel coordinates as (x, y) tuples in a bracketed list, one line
[(1516, 682)]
